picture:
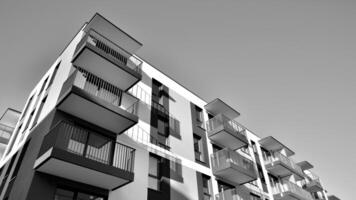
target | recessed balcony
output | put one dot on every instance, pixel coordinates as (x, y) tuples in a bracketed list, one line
[(290, 191), (233, 194), (75, 153), (233, 167), (97, 101), (226, 132), (282, 166), (98, 55)]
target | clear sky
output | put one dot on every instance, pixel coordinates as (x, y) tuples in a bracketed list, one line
[(288, 66)]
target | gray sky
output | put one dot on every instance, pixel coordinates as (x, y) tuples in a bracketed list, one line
[(287, 66)]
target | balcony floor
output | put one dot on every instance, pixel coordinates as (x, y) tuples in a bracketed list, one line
[(230, 140), (278, 168), (67, 165), (235, 174)]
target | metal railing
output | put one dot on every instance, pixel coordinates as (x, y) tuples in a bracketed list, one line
[(221, 120), (222, 158), (233, 194), (288, 186), (277, 156), (311, 179), (112, 49), (91, 145), (102, 89)]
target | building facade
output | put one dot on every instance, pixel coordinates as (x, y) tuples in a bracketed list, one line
[(7, 125), (103, 124)]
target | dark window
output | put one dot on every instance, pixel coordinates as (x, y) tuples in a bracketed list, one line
[(154, 173), (27, 106), (64, 194), (254, 147), (266, 154), (162, 127), (199, 117), (206, 187), (29, 120), (39, 111), (198, 148), (43, 86), (53, 75), (262, 177), (274, 182)]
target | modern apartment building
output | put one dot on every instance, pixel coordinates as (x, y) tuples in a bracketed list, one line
[(7, 125), (103, 124)]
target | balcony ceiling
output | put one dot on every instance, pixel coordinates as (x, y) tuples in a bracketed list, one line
[(217, 106), (113, 33), (272, 144), (305, 165)]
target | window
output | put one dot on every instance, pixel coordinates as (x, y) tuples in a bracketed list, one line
[(153, 173), (42, 87), (29, 120), (274, 183), (198, 148), (266, 154), (199, 117), (53, 75), (206, 187), (39, 111), (27, 106), (64, 194), (162, 127)]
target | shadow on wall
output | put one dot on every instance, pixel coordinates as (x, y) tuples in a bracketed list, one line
[(176, 171)]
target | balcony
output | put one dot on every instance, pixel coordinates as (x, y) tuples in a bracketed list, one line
[(233, 194), (81, 155), (290, 191), (312, 184), (94, 100), (233, 167), (226, 132), (282, 166), (98, 55)]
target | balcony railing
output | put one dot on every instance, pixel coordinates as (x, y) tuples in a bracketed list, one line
[(224, 156), (102, 89), (226, 161), (96, 39), (276, 156), (289, 188), (90, 145), (222, 120), (312, 183), (233, 194)]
